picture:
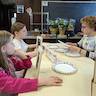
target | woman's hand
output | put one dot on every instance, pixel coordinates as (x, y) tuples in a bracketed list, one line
[(74, 48), (70, 43), (50, 81)]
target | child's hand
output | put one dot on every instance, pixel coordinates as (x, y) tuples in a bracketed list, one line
[(32, 54), (50, 81)]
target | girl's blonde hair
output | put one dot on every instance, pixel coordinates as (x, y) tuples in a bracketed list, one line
[(90, 21), (4, 38), (17, 27)]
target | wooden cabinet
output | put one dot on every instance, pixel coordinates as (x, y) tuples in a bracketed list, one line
[(7, 9), (25, 18)]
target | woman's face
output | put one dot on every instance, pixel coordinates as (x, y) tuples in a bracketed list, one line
[(22, 33), (86, 29)]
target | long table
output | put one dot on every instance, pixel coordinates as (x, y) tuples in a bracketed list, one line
[(77, 84)]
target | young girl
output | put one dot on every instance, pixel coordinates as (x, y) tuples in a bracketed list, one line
[(87, 45), (10, 85), (19, 30)]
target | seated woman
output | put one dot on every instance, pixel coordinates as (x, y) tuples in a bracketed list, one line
[(19, 31), (87, 45)]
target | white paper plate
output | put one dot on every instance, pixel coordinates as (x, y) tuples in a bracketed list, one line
[(72, 54), (64, 44), (64, 68), (61, 50), (52, 46)]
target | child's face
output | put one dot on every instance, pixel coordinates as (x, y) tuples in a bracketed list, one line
[(22, 33), (86, 29), (8, 48)]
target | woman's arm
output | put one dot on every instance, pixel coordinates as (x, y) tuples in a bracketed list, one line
[(77, 49), (73, 44), (83, 52)]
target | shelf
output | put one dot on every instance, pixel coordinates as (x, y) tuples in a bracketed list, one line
[(52, 36)]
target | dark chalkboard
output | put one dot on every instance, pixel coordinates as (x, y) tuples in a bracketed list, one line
[(75, 10)]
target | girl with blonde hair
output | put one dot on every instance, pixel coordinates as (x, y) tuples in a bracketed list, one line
[(10, 85)]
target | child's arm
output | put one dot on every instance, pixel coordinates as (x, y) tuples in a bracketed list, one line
[(23, 55), (32, 53), (20, 85), (16, 85), (21, 63), (32, 46), (20, 60), (20, 54)]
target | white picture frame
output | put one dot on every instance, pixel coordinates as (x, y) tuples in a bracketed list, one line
[(20, 8)]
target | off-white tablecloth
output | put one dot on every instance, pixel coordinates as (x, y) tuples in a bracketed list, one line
[(78, 84)]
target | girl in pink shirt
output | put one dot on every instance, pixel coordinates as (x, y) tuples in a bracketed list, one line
[(10, 85)]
